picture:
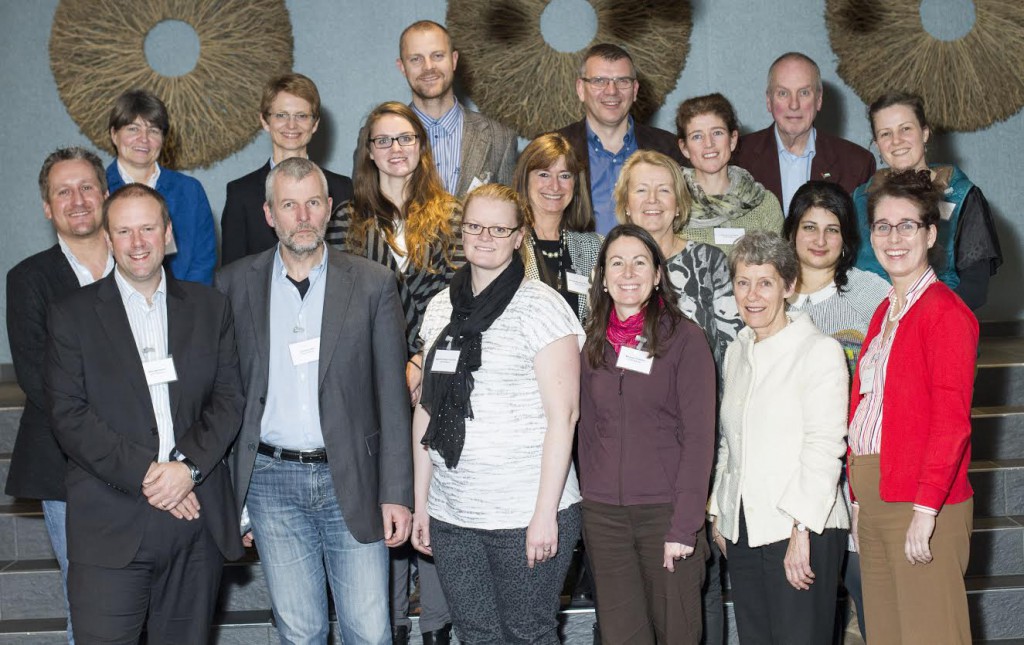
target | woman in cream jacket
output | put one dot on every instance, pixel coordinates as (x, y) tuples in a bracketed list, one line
[(776, 498)]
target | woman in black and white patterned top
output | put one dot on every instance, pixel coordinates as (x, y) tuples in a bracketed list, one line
[(651, 193), (561, 246)]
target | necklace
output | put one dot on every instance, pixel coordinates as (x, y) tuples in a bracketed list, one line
[(893, 318), (559, 255)]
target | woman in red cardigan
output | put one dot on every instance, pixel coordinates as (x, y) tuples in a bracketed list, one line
[(910, 431)]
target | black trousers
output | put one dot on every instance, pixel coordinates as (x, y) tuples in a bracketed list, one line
[(170, 586), (769, 610)]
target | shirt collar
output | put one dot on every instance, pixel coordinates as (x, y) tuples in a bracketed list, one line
[(129, 293), (448, 121), (281, 271), (809, 149), (627, 139), (72, 258), (127, 179), (915, 291)]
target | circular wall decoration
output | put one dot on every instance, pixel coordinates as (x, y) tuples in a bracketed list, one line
[(515, 77), (97, 51), (967, 84)]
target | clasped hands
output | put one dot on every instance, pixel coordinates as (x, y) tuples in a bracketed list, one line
[(168, 487)]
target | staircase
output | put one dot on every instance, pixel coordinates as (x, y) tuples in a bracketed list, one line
[(32, 605)]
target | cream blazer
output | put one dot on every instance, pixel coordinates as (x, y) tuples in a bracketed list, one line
[(783, 434)]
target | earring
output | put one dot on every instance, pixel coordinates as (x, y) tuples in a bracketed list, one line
[(657, 286)]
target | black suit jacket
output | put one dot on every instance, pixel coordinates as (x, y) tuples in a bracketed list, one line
[(835, 159), (37, 464), (243, 226), (364, 401), (102, 414), (647, 138)]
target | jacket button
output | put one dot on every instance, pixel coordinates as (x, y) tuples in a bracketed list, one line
[(252, 446), (154, 431), (263, 400)]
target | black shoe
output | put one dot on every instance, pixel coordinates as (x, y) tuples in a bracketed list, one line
[(441, 636), (400, 635)]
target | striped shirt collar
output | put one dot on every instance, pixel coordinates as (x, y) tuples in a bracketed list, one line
[(914, 293), (448, 122), (130, 293)]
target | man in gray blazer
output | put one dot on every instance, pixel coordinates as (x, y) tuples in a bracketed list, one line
[(323, 462), (469, 149)]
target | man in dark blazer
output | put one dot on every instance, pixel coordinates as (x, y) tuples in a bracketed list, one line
[(290, 113), (791, 151), (469, 149), (145, 399), (323, 463), (73, 185), (607, 135)]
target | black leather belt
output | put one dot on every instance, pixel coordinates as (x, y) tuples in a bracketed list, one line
[(318, 456)]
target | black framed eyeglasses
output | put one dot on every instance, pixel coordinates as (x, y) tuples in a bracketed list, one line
[(384, 141), (493, 231)]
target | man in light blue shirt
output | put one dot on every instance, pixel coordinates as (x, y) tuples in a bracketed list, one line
[(469, 149)]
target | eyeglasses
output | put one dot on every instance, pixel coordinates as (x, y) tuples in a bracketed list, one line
[(601, 82), (906, 228), (134, 130), (283, 117), (493, 231), (384, 141)]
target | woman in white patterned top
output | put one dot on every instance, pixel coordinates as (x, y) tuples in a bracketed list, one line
[(497, 499), (652, 193)]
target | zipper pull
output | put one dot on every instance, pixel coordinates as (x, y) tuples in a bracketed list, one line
[(622, 374)]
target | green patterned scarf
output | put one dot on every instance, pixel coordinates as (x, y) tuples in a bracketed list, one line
[(709, 211)]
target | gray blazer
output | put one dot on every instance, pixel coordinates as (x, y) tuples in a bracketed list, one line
[(364, 401), (489, 152)]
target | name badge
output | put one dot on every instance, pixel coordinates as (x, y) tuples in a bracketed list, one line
[(479, 181), (577, 283), (160, 371), (728, 235), (305, 351), (946, 210), (867, 379), (634, 360), (445, 361)]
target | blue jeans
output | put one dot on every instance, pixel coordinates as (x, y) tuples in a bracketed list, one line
[(54, 514), (304, 545)]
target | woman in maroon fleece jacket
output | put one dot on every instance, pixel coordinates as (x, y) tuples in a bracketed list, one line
[(646, 436)]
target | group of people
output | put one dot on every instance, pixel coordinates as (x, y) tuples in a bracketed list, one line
[(467, 358)]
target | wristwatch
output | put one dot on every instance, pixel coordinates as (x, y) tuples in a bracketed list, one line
[(194, 472)]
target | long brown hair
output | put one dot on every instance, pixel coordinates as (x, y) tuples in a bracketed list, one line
[(542, 153), (661, 304), (429, 210)]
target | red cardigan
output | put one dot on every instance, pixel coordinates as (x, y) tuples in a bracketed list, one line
[(926, 406)]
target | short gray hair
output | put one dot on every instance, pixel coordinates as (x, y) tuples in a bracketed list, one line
[(72, 153), (295, 168), (788, 56), (766, 247)]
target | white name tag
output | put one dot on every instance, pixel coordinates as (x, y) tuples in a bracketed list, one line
[(577, 283), (946, 210), (728, 235), (445, 361), (479, 181), (305, 351), (634, 360), (160, 371), (867, 379)]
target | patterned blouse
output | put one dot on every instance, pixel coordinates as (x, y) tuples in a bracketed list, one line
[(700, 275), (415, 287)]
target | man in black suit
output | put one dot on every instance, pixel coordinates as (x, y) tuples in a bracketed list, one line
[(145, 399), (607, 135), (73, 185), (290, 113), (323, 463)]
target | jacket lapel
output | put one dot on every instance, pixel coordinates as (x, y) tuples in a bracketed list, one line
[(179, 330), (257, 283), (337, 293), (823, 164), (121, 341), (474, 151)]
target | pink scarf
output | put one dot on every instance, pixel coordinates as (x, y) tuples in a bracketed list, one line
[(624, 332)]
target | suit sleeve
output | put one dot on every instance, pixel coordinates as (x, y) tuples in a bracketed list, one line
[(207, 441), (695, 385), (83, 435), (232, 227), (393, 407), (26, 331), (811, 492), (950, 351), (202, 240)]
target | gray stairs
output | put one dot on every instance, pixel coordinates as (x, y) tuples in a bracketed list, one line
[(31, 601)]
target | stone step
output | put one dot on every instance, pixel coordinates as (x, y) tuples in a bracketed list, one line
[(998, 487), (997, 432), (996, 605)]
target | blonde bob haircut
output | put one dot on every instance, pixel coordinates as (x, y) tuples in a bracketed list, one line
[(653, 158)]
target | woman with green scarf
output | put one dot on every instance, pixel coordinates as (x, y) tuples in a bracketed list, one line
[(727, 202)]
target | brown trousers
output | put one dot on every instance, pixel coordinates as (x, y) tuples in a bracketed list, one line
[(638, 601), (910, 604)]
